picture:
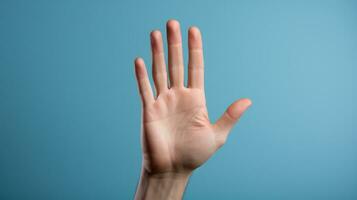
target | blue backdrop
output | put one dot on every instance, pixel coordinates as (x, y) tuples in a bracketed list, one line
[(70, 112)]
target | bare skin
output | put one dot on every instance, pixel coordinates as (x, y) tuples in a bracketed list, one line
[(177, 135)]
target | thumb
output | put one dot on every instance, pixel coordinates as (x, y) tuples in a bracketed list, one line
[(226, 122)]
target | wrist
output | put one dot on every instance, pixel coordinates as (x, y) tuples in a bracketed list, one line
[(165, 185)]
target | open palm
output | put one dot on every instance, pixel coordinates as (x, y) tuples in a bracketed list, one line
[(177, 135)]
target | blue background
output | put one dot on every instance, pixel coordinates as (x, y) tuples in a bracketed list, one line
[(70, 112)]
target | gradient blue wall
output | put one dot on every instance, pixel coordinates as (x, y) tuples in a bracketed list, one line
[(70, 112)]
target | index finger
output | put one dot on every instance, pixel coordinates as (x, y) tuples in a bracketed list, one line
[(195, 62)]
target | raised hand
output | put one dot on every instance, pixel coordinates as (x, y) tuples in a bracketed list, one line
[(177, 135)]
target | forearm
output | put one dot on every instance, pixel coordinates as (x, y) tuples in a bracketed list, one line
[(161, 186)]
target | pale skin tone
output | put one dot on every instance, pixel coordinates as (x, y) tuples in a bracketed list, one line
[(177, 135)]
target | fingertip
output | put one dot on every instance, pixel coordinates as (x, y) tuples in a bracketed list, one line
[(247, 102), (194, 38), (172, 24), (138, 61), (140, 70), (156, 41), (173, 32), (155, 34), (238, 107), (194, 32)]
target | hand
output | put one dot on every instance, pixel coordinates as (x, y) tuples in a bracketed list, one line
[(177, 135)]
